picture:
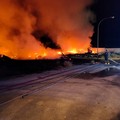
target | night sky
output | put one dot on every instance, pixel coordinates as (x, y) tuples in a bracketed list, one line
[(110, 28)]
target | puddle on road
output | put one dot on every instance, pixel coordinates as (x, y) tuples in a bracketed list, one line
[(107, 72), (104, 73)]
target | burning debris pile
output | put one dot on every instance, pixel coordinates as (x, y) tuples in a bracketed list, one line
[(35, 29)]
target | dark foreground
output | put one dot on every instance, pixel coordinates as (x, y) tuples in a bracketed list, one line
[(82, 92), (10, 67)]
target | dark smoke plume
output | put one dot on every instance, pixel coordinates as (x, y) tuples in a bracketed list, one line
[(66, 25)]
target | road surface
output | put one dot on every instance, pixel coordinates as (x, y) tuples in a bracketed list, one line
[(82, 92)]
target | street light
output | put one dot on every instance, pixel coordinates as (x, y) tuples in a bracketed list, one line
[(112, 17)]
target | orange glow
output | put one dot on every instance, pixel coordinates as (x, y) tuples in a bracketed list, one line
[(59, 53), (74, 51), (68, 27)]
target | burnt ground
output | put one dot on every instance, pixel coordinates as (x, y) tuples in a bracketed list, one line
[(9, 67)]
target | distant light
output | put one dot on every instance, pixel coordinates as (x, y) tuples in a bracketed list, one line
[(1, 55), (44, 55), (29, 56), (113, 17), (74, 51), (59, 53)]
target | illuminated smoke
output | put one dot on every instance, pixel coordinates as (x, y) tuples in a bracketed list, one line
[(64, 25)]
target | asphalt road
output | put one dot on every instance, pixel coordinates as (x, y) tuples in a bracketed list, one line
[(81, 92)]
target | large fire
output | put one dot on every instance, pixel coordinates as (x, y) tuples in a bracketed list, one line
[(66, 22)]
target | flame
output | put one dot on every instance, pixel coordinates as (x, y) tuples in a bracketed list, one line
[(74, 51), (68, 27)]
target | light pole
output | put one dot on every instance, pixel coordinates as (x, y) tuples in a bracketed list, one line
[(112, 17)]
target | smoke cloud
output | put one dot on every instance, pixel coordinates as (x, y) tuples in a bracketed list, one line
[(23, 24)]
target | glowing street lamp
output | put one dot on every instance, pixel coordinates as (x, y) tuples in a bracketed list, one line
[(112, 17)]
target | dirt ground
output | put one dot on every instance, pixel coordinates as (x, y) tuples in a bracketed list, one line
[(85, 97)]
